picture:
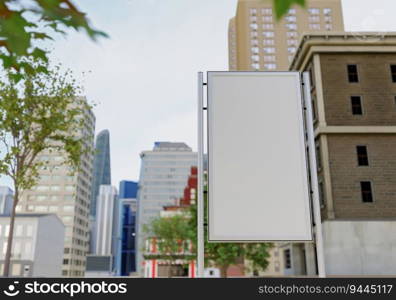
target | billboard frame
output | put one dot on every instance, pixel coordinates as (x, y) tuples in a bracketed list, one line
[(311, 170)]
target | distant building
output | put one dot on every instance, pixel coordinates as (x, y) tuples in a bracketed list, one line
[(6, 200), (106, 221), (37, 249), (126, 256), (259, 42), (154, 266), (101, 169), (353, 90), (163, 177)]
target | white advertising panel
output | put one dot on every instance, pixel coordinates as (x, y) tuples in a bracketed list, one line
[(257, 173)]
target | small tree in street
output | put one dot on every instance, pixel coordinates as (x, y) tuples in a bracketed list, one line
[(170, 235), (41, 112)]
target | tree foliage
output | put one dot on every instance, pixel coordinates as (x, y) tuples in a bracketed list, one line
[(169, 231), (282, 6), (41, 112), (25, 23)]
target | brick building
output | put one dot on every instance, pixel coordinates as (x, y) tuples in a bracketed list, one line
[(353, 90)]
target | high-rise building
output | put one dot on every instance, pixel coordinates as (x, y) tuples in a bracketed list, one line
[(37, 247), (126, 257), (101, 171), (163, 177), (106, 221), (6, 200), (257, 41), (68, 196), (353, 91)]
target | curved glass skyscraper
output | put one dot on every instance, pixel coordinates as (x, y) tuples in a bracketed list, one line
[(101, 171)]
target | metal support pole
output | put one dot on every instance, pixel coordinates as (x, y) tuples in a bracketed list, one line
[(200, 200), (314, 175)]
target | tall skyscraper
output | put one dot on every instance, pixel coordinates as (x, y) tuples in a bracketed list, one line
[(102, 171), (67, 196), (163, 177), (257, 41), (126, 257), (6, 200)]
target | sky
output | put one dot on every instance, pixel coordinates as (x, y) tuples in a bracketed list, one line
[(143, 79)]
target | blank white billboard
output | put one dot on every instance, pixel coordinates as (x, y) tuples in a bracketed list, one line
[(258, 181)]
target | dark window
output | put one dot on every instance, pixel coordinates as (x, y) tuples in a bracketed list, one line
[(318, 157), (362, 155), (287, 259), (353, 73), (393, 72), (321, 194), (356, 102), (395, 100), (367, 193)]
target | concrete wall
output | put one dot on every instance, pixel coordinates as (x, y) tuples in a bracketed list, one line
[(360, 247), (48, 254)]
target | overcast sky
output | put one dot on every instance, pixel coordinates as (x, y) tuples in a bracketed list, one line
[(143, 78)]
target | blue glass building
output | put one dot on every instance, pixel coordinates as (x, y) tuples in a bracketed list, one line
[(101, 168), (126, 258)]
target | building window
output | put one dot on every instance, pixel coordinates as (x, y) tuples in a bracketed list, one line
[(353, 73), (314, 11), (269, 50), (266, 11), (267, 19), (357, 108), (269, 58), (321, 194), (292, 11), (314, 26), (367, 193), (253, 11), (393, 72), (362, 155), (268, 26), (318, 157), (287, 255), (268, 34), (268, 42), (327, 11), (291, 49), (270, 66)]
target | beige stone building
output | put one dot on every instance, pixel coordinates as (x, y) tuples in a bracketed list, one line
[(353, 93), (68, 196), (257, 41)]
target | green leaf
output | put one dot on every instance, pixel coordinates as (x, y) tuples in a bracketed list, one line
[(282, 6)]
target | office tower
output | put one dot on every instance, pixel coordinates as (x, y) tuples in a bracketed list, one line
[(353, 91), (257, 41), (6, 200), (126, 256), (37, 248), (154, 265), (106, 220), (101, 171), (68, 196), (163, 177)]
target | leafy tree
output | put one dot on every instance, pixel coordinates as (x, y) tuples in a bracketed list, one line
[(39, 113), (282, 6), (223, 255), (171, 236), (24, 23)]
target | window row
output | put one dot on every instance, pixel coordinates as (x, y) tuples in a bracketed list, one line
[(353, 73)]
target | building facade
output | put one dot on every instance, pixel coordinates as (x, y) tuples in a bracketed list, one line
[(126, 257), (163, 177), (258, 41), (353, 90), (6, 200), (106, 221), (37, 248), (68, 195)]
